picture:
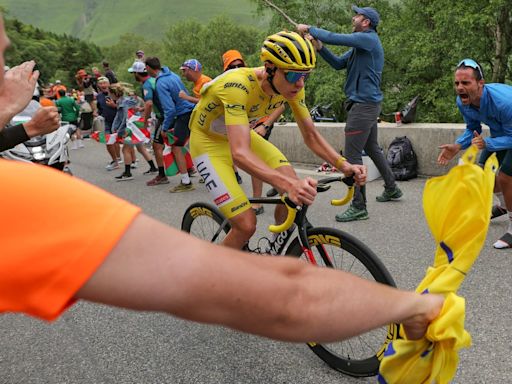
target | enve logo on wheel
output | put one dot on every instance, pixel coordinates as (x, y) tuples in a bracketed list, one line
[(321, 239), (200, 211)]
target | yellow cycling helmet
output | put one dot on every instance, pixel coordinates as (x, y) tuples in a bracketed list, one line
[(289, 50)]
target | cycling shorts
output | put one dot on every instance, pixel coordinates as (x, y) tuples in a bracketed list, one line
[(213, 161)]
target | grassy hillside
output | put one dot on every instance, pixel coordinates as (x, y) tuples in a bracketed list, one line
[(103, 21)]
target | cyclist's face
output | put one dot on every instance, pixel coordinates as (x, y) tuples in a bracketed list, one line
[(289, 89), (468, 88)]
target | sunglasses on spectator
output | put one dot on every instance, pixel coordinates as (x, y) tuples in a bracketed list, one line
[(472, 64), (233, 66), (293, 77)]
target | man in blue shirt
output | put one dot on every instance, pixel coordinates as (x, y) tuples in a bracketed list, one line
[(364, 63), (176, 114), (489, 104)]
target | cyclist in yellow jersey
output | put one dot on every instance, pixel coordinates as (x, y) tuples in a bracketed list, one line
[(221, 134)]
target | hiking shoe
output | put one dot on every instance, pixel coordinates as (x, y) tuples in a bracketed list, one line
[(387, 195), (124, 177), (157, 181), (498, 211), (151, 171), (238, 178), (352, 214), (113, 165), (182, 188)]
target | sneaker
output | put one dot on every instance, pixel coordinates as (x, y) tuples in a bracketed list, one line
[(388, 195), (157, 181), (151, 171), (238, 178), (201, 180), (134, 165), (192, 172), (498, 211), (119, 160), (124, 177), (113, 165), (352, 214), (182, 188)]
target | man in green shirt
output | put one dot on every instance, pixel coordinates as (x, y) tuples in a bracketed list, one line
[(69, 111)]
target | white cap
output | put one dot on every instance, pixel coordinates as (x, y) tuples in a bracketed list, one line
[(57, 81), (137, 67)]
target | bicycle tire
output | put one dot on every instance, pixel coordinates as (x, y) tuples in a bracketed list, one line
[(362, 261), (204, 221)]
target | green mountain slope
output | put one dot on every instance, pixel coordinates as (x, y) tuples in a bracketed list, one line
[(103, 21)]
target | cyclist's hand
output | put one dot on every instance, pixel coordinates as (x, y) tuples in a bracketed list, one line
[(448, 151), (478, 140), (358, 171), (303, 191)]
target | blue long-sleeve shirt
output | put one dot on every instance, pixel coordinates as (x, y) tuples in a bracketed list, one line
[(119, 123), (168, 87), (364, 62), (495, 111)]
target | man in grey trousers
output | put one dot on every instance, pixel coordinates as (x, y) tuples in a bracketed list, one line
[(364, 63)]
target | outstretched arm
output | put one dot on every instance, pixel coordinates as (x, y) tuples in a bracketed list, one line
[(280, 298)]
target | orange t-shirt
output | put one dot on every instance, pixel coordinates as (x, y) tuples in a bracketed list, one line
[(199, 84), (50, 243)]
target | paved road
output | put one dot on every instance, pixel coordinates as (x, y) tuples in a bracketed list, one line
[(97, 344)]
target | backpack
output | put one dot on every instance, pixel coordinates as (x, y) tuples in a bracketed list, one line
[(402, 159)]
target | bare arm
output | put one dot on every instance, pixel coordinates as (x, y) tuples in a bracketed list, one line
[(299, 191), (184, 96), (298, 302), (317, 143)]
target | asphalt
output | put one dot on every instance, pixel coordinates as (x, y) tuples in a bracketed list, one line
[(98, 344)]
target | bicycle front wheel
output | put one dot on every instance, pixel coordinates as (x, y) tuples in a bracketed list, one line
[(206, 222), (359, 356)]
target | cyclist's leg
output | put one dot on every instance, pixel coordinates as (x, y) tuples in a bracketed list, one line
[(273, 157), (214, 163)]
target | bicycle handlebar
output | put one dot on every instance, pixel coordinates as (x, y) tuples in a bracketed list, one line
[(292, 212), (348, 181)]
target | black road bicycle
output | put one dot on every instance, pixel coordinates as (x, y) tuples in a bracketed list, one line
[(327, 247)]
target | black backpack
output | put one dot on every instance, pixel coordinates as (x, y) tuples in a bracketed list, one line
[(402, 159)]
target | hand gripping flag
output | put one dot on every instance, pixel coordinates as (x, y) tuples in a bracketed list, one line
[(457, 207), (135, 133)]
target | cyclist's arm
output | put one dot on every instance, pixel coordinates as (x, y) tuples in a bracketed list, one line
[(316, 142), (240, 144), (297, 302)]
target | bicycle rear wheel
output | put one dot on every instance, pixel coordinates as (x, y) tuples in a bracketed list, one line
[(359, 356), (206, 222)]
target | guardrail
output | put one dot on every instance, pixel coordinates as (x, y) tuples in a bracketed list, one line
[(425, 138)]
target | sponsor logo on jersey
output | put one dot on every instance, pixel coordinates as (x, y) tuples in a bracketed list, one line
[(271, 107), (240, 206), (222, 199), (212, 181), (235, 109), (251, 78), (236, 85), (211, 106)]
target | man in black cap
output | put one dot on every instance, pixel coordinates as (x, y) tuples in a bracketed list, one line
[(364, 63)]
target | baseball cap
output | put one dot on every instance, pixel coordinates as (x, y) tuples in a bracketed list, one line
[(103, 78), (137, 67), (370, 13), (229, 56), (193, 64), (139, 53), (57, 81)]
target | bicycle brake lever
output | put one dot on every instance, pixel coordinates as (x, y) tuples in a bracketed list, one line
[(292, 212)]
